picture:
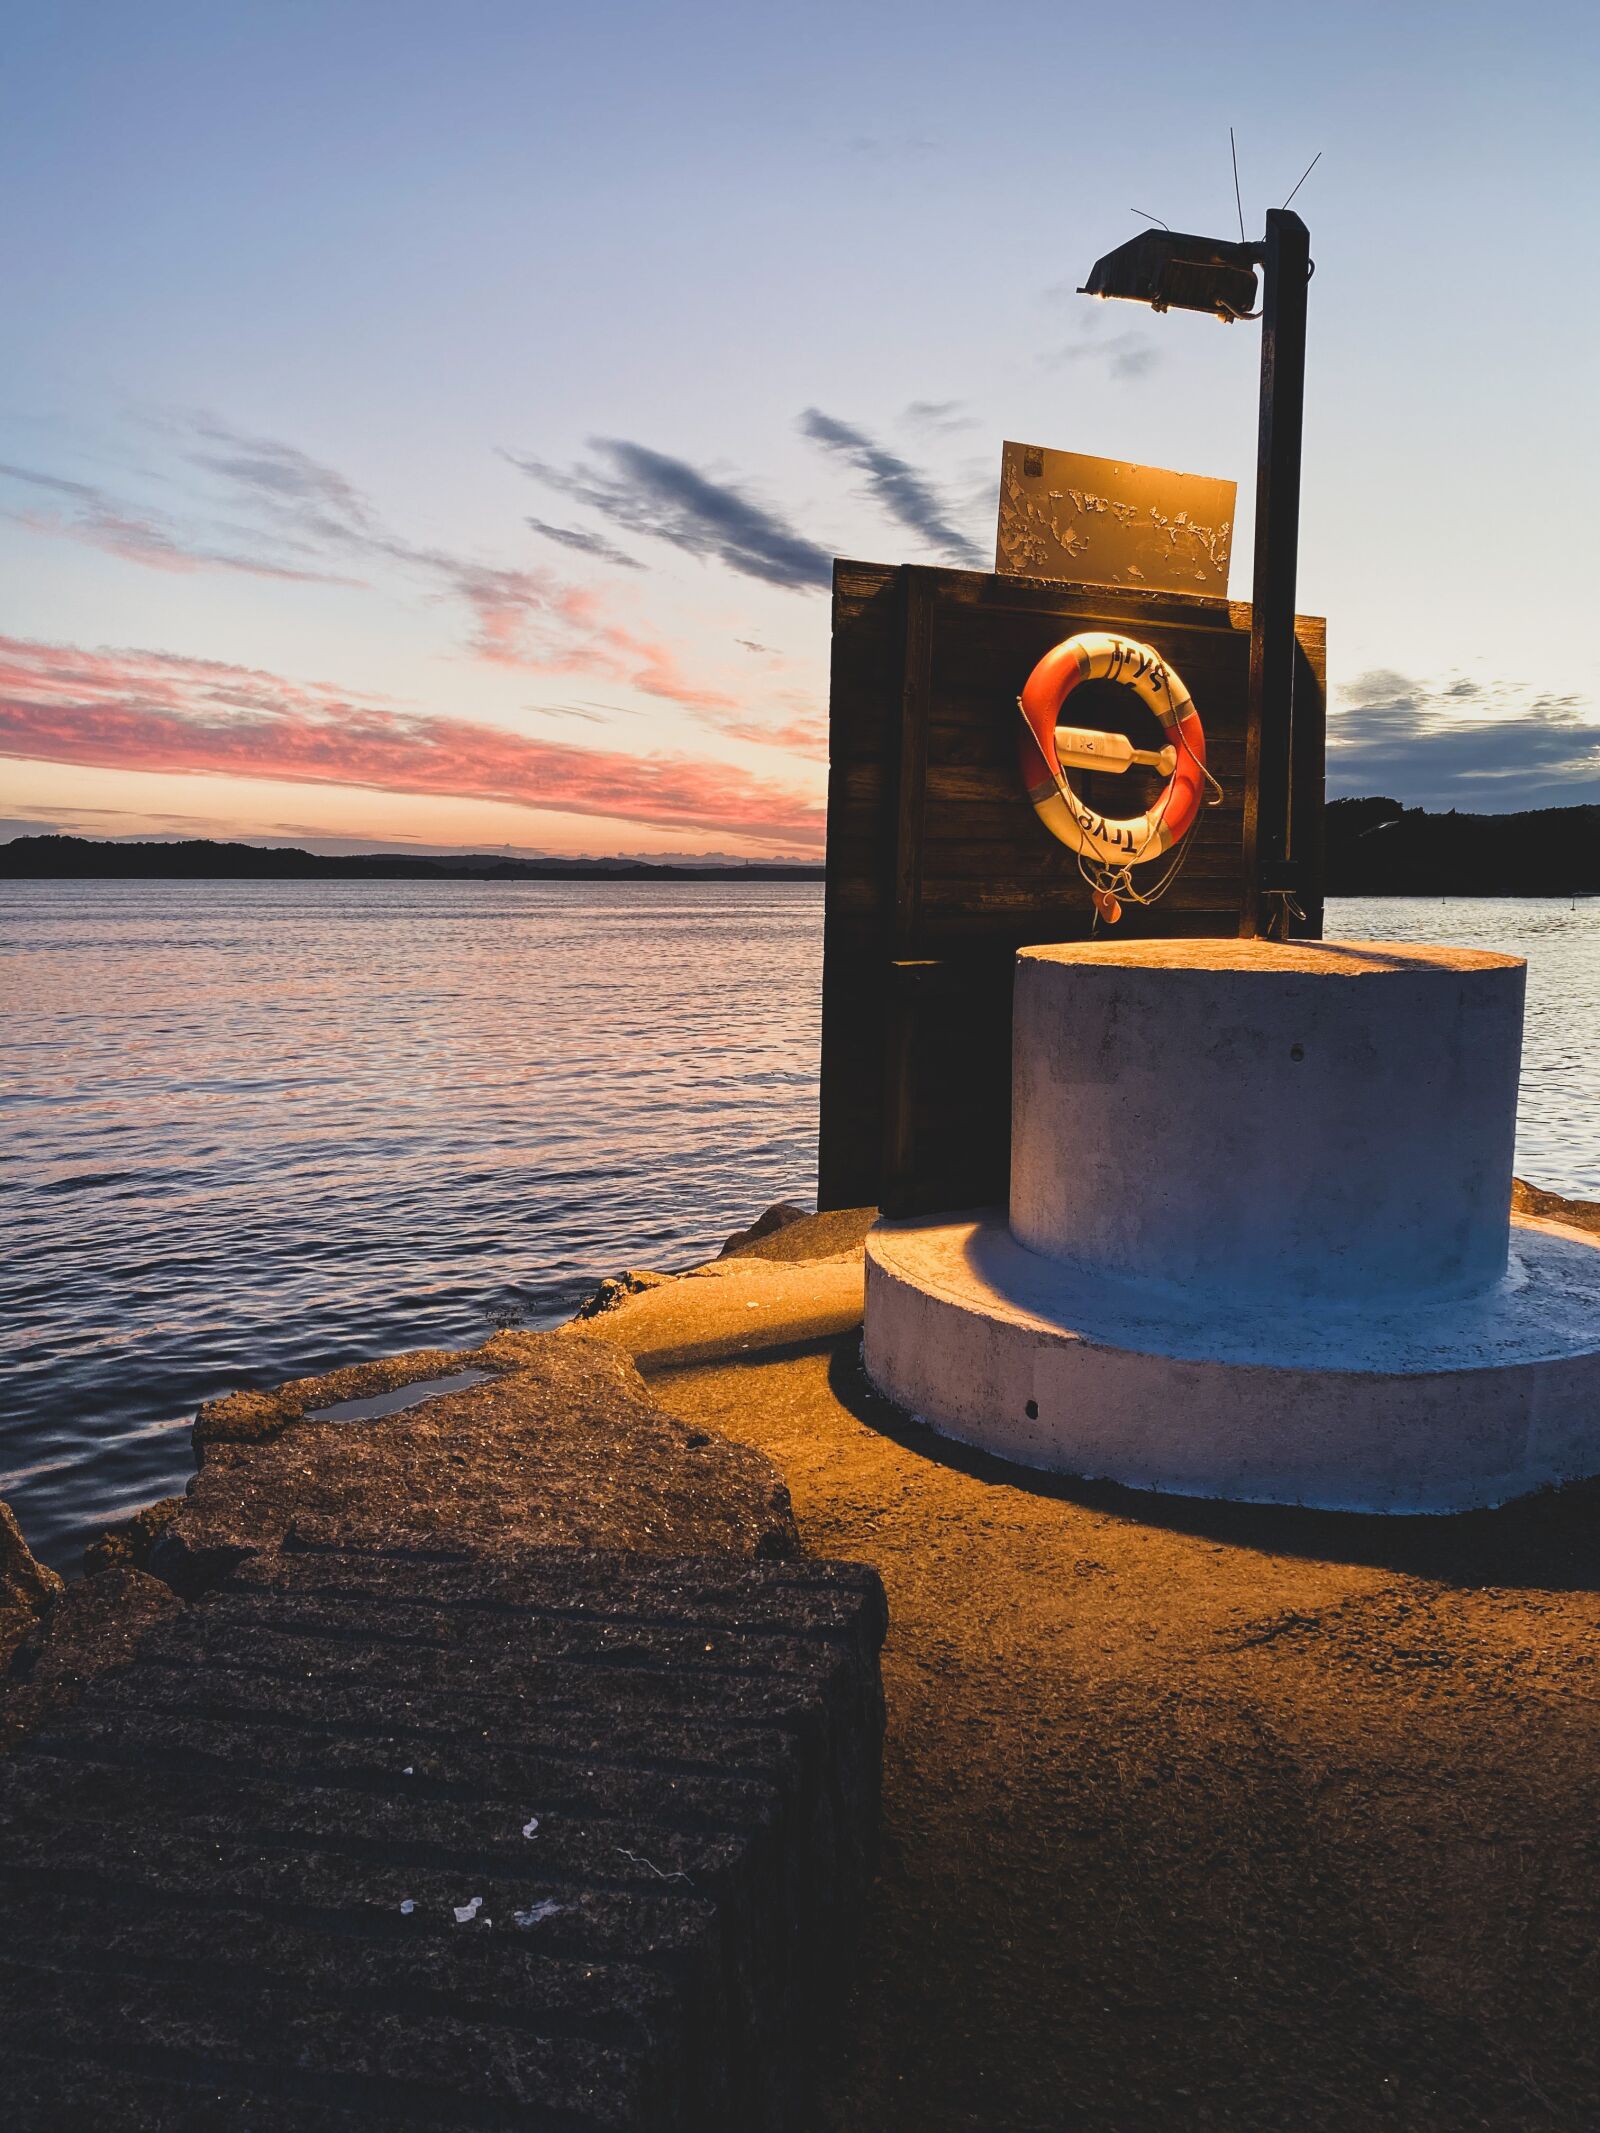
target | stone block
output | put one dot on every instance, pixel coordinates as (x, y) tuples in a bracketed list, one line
[(571, 1839)]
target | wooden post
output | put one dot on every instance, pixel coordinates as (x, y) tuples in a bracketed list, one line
[(899, 1088), (1271, 867)]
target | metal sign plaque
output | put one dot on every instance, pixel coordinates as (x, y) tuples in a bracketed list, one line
[(1086, 521)]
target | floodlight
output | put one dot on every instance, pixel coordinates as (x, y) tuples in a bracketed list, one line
[(1170, 269)]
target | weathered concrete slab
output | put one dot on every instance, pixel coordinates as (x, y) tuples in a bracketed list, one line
[(364, 1837), (245, 1416), (566, 1448)]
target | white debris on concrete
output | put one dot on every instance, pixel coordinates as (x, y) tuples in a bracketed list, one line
[(537, 1913)]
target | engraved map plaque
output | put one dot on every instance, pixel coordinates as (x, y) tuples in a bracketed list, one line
[(1084, 521)]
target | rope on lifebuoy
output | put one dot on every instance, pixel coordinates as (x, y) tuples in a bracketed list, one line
[(1108, 849)]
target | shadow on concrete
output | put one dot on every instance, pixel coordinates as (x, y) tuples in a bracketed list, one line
[(690, 1356), (1548, 1542)]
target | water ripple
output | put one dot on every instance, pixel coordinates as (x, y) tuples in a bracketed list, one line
[(256, 1130)]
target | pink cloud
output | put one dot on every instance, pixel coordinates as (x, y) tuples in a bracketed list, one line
[(523, 618), (802, 736), (156, 711), (803, 732), (539, 625)]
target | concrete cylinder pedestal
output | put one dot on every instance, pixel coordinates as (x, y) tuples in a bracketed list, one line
[(1259, 1242)]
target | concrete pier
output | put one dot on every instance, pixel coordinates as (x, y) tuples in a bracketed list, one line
[(1196, 1813), (494, 1763), (1258, 1243)]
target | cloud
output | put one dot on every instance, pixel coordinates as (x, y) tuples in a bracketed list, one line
[(897, 487), (529, 619), (1125, 355), (806, 735), (49, 822), (157, 711), (595, 645), (309, 499), (89, 515), (506, 604), (1481, 746), (792, 722), (586, 543), (82, 491), (939, 418), (648, 492)]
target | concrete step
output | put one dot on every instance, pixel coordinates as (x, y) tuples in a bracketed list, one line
[(230, 1876)]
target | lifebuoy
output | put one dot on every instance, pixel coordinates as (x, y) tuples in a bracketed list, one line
[(1099, 655)]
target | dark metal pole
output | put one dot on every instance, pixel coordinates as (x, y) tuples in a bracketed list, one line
[(1270, 871)]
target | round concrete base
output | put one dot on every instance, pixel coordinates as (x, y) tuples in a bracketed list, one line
[(1444, 1406)]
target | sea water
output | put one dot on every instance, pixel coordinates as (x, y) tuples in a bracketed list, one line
[(256, 1130)]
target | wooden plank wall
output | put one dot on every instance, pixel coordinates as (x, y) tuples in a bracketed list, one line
[(939, 870)]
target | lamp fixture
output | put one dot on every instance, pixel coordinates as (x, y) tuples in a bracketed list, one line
[(1169, 269)]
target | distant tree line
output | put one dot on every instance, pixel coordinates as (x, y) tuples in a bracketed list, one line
[(200, 859), (1379, 848), (1374, 848)]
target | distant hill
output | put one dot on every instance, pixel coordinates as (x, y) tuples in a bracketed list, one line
[(199, 859), (1379, 848), (1375, 848)]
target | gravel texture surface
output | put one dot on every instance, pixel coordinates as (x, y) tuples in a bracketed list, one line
[(1196, 1815)]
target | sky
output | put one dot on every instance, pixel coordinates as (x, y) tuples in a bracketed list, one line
[(432, 426)]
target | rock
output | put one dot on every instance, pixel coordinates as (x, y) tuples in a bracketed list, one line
[(1551, 1207), (128, 1546), (779, 1216), (632, 1281), (566, 1448), (803, 1236), (91, 1627), (26, 1586)]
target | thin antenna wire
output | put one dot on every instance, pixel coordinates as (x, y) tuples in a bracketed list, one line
[(1238, 203), (1310, 167), (1149, 217)]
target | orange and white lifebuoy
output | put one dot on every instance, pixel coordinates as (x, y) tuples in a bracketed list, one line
[(1104, 840)]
